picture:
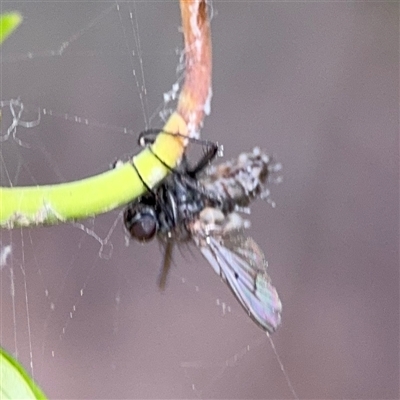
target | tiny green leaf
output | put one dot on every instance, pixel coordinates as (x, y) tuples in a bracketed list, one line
[(8, 23), (15, 383)]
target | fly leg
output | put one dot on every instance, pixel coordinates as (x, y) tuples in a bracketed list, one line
[(166, 264), (148, 137)]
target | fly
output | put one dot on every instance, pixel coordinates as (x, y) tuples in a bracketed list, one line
[(203, 205)]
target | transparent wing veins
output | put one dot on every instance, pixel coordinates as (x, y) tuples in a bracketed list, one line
[(241, 264)]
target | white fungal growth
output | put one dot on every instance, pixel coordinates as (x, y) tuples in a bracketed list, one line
[(172, 94), (5, 252), (207, 104)]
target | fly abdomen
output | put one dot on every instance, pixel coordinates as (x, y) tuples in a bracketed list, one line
[(239, 181)]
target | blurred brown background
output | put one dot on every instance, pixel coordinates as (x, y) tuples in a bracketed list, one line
[(317, 85)]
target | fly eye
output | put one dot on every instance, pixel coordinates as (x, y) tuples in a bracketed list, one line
[(141, 223), (144, 228)]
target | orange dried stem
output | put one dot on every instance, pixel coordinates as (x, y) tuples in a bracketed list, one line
[(196, 93)]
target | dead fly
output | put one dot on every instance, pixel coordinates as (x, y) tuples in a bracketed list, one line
[(201, 204)]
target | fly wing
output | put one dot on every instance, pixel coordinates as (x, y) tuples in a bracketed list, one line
[(241, 264)]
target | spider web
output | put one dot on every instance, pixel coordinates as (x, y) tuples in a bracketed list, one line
[(79, 303)]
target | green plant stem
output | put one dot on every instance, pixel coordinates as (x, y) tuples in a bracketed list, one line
[(49, 204)]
